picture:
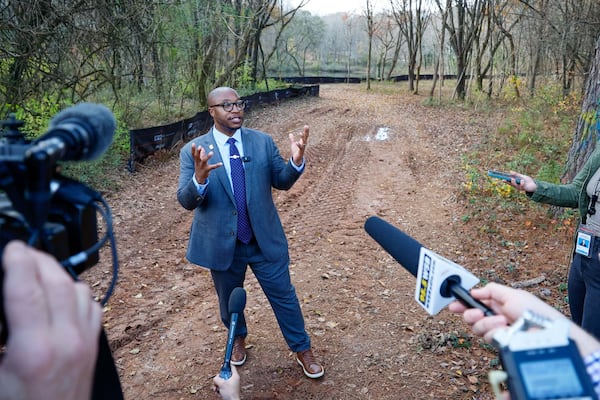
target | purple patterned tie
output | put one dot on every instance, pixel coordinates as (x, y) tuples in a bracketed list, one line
[(239, 192)]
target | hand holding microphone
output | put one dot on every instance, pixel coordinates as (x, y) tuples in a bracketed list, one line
[(228, 389), (544, 362), (237, 302), (439, 281)]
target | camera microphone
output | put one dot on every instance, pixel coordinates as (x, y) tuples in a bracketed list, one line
[(81, 132), (439, 281), (237, 302)]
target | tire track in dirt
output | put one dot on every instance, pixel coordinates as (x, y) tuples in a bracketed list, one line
[(324, 204)]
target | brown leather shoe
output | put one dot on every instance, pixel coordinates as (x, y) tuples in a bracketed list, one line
[(309, 363), (238, 355)]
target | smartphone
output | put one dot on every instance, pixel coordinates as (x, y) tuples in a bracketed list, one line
[(503, 175)]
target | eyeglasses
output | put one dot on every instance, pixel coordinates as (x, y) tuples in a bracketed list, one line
[(228, 106)]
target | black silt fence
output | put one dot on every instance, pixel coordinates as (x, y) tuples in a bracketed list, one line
[(312, 80), (147, 141)]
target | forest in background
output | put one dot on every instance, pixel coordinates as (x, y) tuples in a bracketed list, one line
[(153, 62), (163, 56)]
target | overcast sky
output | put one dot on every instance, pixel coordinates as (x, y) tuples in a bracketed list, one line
[(324, 7)]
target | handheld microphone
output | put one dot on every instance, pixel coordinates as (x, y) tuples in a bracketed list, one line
[(439, 280), (81, 132), (237, 302)]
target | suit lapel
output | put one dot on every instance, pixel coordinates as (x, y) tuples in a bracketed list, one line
[(220, 174)]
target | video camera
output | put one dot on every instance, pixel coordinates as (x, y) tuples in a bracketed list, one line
[(45, 209)]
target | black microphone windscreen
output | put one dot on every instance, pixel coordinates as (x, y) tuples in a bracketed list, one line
[(399, 245), (237, 300), (99, 121)]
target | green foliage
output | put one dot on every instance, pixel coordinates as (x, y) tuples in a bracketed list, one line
[(244, 77), (262, 86), (495, 362), (533, 138), (103, 174), (486, 346), (562, 287), (459, 340), (36, 115), (539, 132)]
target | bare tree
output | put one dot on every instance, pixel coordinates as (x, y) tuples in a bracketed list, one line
[(301, 36), (463, 24), (50, 49), (278, 18), (370, 32), (412, 19), (564, 31), (349, 34), (440, 58), (536, 42), (505, 17), (390, 41)]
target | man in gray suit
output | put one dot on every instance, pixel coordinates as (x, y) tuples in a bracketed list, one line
[(226, 177)]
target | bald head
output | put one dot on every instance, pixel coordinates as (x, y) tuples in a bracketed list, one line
[(223, 92), (228, 121)]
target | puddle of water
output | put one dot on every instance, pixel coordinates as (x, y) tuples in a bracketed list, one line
[(382, 134)]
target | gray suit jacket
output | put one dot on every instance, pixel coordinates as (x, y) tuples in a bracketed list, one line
[(214, 227)]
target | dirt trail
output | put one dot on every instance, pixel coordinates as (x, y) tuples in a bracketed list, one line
[(374, 340)]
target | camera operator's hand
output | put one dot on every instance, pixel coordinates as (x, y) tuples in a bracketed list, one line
[(228, 389), (509, 304), (54, 329)]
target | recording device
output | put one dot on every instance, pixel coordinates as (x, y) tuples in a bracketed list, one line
[(541, 361), (237, 302), (503, 176), (439, 280), (49, 211)]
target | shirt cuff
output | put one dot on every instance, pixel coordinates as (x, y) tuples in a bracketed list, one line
[(201, 188), (299, 168)]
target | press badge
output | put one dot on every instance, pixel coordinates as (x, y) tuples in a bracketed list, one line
[(584, 243)]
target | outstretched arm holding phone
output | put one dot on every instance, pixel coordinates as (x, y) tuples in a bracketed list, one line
[(581, 193)]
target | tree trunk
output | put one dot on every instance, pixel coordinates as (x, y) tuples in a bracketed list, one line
[(586, 133), (440, 58)]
